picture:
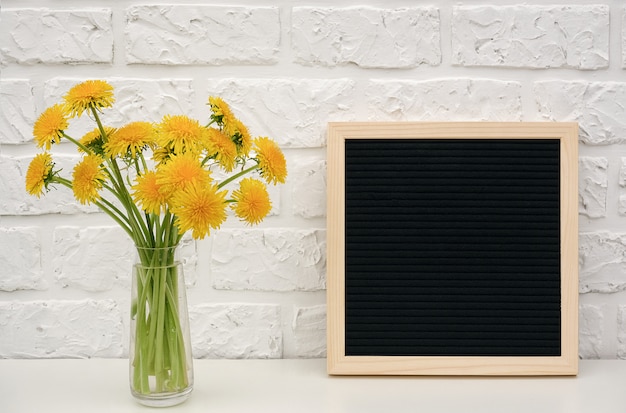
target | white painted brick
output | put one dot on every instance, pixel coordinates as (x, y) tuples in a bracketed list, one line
[(602, 262), (592, 186), (365, 36), (622, 173), (624, 38), (57, 329), (16, 201), (621, 204), (236, 331), (294, 112), (621, 331), (135, 100), (187, 254), (591, 330), (598, 107), (269, 260), (31, 36), (17, 111), (20, 258), (92, 259), (186, 34), (309, 328), (445, 100), (531, 36), (308, 177), (622, 187)]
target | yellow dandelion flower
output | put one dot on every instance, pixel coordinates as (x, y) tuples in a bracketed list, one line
[(240, 136), (95, 94), (147, 193), (252, 201), (88, 178), (180, 133), (38, 173), (180, 171), (272, 164), (49, 127), (221, 148), (91, 137), (133, 137), (221, 111), (161, 155), (94, 140), (199, 208), (231, 126)]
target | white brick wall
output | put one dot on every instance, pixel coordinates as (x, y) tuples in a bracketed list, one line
[(368, 37), (236, 330), (42, 35), (287, 70), (592, 186), (55, 328), (211, 35), (531, 36), (598, 107), (17, 110), (457, 99)]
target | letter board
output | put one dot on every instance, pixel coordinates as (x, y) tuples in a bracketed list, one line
[(452, 248)]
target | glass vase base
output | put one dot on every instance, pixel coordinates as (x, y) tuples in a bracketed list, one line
[(163, 399)]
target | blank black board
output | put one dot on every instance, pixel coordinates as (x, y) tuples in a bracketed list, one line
[(471, 237), (452, 247)]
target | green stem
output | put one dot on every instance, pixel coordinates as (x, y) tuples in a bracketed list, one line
[(159, 305), (77, 143), (236, 176), (140, 228), (160, 360), (140, 378), (98, 122)]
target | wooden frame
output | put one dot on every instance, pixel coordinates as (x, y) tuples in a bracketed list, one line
[(338, 363)]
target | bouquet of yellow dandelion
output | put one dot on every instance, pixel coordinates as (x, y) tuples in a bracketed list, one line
[(156, 182)]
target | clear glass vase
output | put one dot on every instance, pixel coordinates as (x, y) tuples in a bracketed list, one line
[(161, 363)]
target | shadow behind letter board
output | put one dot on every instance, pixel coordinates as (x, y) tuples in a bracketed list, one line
[(452, 248)]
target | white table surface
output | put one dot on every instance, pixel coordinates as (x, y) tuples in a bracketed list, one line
[(295, 386)]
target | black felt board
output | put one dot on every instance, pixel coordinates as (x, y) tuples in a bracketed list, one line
[(452, 247)]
